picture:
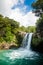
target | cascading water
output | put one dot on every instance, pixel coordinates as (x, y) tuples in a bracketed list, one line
[(25, 40), (21, 56), (29, 40), (24, 51)]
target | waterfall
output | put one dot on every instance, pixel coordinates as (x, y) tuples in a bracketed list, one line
[(21, 56), (27, 40), (24, 51)]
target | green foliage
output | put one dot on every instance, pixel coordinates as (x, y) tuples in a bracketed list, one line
[(38, 7), (28, 29), (7, 27), (1, 39), (22, 28), (9, 36), (38, 4), (36, 41), (19, 38), (15, 30), (31, 29), (39, 24)]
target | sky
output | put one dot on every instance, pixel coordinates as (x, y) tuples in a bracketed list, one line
[(19, 10)]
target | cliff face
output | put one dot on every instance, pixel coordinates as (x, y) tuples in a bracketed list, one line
[(37, 42), (6, 46)]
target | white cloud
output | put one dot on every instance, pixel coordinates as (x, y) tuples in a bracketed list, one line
[(22, 1), (6, 5), (26, 20)]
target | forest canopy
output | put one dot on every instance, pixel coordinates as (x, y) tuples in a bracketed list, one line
[(9, 29)]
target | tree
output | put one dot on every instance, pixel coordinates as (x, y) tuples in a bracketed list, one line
[(38, 10), (39, 25), (7, 28), (38, 7), (31, 28)]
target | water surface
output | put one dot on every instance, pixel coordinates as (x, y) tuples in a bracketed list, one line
[(21, 56)]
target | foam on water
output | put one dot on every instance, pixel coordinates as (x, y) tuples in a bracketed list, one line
[(22, 52)]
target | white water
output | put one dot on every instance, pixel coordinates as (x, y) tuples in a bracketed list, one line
[(25, 40), (29, 40), (24, 51), (21, 56)]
